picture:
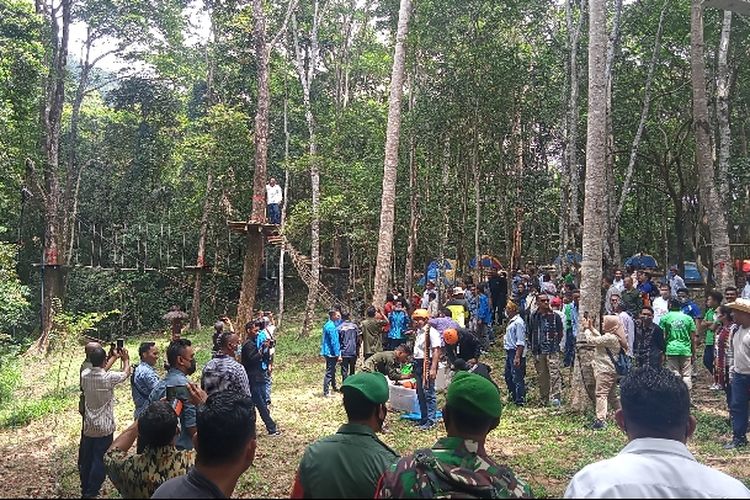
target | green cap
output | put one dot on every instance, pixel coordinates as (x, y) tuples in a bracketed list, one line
[(372, 385), (474, 394)]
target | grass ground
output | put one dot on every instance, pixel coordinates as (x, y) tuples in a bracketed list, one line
[(39, 429)]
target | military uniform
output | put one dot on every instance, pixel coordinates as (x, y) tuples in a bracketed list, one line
[(345, 465), (451, 468), (349, 463), (384, 362)]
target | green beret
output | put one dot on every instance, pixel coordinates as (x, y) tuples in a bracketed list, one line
[(372, 385), (474, 394)]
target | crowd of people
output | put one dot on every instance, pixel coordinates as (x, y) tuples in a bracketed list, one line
[(197, 440)]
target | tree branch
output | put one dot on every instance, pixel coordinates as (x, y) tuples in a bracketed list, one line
[(291, 7)]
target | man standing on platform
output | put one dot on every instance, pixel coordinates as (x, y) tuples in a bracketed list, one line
[(273, 201)]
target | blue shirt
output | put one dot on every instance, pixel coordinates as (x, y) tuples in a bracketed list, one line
[(515, 333), (483, 311), (691, 309), (399, 323), (144, 381), (187, 417), (330, 345), (259, 339)]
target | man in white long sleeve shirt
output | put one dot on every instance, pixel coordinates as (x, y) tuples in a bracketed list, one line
[(273, 201), (655, 463)]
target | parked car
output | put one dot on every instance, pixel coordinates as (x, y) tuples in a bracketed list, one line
[(693, 275)]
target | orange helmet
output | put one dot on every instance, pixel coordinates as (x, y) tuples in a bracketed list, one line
[(450, 336), (420, 313)]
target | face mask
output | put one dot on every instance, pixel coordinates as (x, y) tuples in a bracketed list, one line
[(191, 369)]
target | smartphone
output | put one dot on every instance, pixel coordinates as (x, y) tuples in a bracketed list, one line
[(177, 392), (120, 344)]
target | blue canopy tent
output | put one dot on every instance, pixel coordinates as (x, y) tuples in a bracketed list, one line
[(570, 259), (433, 271), (488, 262), (641, 261)]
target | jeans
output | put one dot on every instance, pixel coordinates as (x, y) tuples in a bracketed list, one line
[(570, 348), (498, 308), (738, 410), (329, 379), (483, 335), (91, 466), (268, 384), (347, 367), (514, 377), (258, 391), (425, 394), (274, 213), (708, 358)]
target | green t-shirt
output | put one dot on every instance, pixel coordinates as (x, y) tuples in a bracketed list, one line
[(678, 330), (710, 317)]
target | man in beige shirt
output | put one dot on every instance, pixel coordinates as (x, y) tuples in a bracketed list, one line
[(739, 373), (98, 386)]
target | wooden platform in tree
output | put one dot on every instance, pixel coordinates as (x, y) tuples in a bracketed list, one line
[(204, 267), (252, 226)]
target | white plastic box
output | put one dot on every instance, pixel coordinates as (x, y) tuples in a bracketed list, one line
[(403, 399)]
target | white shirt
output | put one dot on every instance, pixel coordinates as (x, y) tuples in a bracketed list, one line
[(746, 291), (619, 284), (273, 194), (653, 468), (99, 395), (629, 325), (660, 307), (435, 341)]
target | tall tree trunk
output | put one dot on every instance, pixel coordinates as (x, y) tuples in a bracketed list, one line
[(390, 165), (50, 189), (722, 109), (306, 75), (195, 312), (723, 271), (518, 148), (612, 240), (573, 224), (476, 171), (593, 210), (411, 245), (254, 240), (284, 205)]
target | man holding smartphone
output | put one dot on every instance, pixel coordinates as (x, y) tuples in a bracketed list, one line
[(99, 425)]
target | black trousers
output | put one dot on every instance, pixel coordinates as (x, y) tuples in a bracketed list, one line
[(347, 367), (329, 379)]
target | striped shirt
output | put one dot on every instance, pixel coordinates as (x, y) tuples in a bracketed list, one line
[(98, 389)]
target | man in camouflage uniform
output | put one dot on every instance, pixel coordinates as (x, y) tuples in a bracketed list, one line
[(457, 465)]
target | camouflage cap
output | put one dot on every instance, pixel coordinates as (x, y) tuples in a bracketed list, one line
[(372, 385), (474, 394)]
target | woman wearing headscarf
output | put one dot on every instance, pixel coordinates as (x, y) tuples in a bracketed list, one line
[(607, 346)]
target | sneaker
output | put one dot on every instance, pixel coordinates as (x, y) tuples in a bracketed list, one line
[(732, 445), (275, 434), (715, 387), (598, 425), (427, 426)]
